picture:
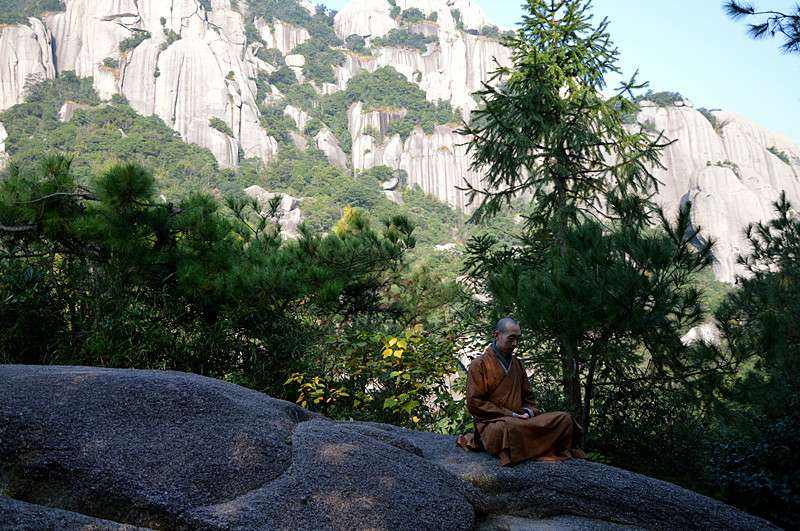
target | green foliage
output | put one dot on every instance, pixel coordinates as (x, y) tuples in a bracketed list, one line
[(133, 41), (403, 38), (758, 325), (387, 88), (490, 31), (285, 10), (171, 37), (456, 13), (282, 78), (708, 116), (110, 62), (726, 164), (770, 23), (320, 60), (411, 16), (272, 56), (136, 282), (586, 255), (220, 126), (276, 122), (713, 291), (356, 43), (662, 99), (18, 11), (780, 154), (395, 12)]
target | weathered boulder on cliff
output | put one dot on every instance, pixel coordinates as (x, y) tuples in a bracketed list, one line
[(174, 450)]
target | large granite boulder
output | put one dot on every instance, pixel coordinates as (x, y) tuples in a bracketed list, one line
[(83, 447)]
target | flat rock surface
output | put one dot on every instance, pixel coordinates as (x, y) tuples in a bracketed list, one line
[(169, 450), (22, 516)]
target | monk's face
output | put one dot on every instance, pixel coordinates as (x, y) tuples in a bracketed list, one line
[(507, 341)]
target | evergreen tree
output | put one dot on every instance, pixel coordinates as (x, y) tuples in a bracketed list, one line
[(589, 278), (771, 23), (755, 463)]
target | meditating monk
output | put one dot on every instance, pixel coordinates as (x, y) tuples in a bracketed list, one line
[(507, 422)]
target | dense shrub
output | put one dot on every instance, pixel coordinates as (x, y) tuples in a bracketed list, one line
[(133, 41), (403, 38), (18, 11)]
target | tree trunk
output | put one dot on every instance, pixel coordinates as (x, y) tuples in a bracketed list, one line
[(587, 397), (570, 376)]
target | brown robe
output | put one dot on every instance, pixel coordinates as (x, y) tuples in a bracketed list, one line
[(492, 395)]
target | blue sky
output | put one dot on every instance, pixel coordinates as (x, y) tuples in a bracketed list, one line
[(691, 47)]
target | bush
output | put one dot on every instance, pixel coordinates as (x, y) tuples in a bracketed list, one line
[(411, 16), (780, 154), (662, 99), (276, 123), (456, 13), (403, 38), (490, 31), (320, 60), (133, 41), (18, 11), (171, 37), (356, 43), (110, 62), (220, 126), (282, 78)]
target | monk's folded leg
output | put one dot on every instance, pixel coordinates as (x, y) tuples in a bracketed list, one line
[(546, 436)]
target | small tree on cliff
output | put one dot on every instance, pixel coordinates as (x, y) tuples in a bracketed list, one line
[(589, 279)]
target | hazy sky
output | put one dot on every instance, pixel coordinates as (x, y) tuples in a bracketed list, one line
[(691, 47)]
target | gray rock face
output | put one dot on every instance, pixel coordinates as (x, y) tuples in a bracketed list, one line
[(290, 215), (328, 144), (192, 68), (22, 516), (281, 35), (731, 172), (67, 110), (24, 56), (137, 447), (172, 450), (437, 162)]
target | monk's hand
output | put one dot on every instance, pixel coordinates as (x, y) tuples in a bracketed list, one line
[(524, 415)]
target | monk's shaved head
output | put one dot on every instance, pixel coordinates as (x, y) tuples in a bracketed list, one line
[(504, 323)]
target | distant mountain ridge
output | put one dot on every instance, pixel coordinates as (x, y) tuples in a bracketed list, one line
[(243, 79)]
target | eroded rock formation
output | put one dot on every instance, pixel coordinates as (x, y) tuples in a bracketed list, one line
[(731, 170), (24, 57), (170, 450), (451, 69), (173, 59), (289, 216)]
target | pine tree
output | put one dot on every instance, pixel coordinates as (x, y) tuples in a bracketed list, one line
[(772, 23), (588, 277)]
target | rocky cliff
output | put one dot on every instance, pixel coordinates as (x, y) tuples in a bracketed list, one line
[(112, 449), (729, 168)]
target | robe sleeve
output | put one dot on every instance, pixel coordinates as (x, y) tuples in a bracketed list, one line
[(528, 402), (478, 402)]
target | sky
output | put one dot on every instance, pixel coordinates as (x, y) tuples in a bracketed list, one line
[(692, 47)]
